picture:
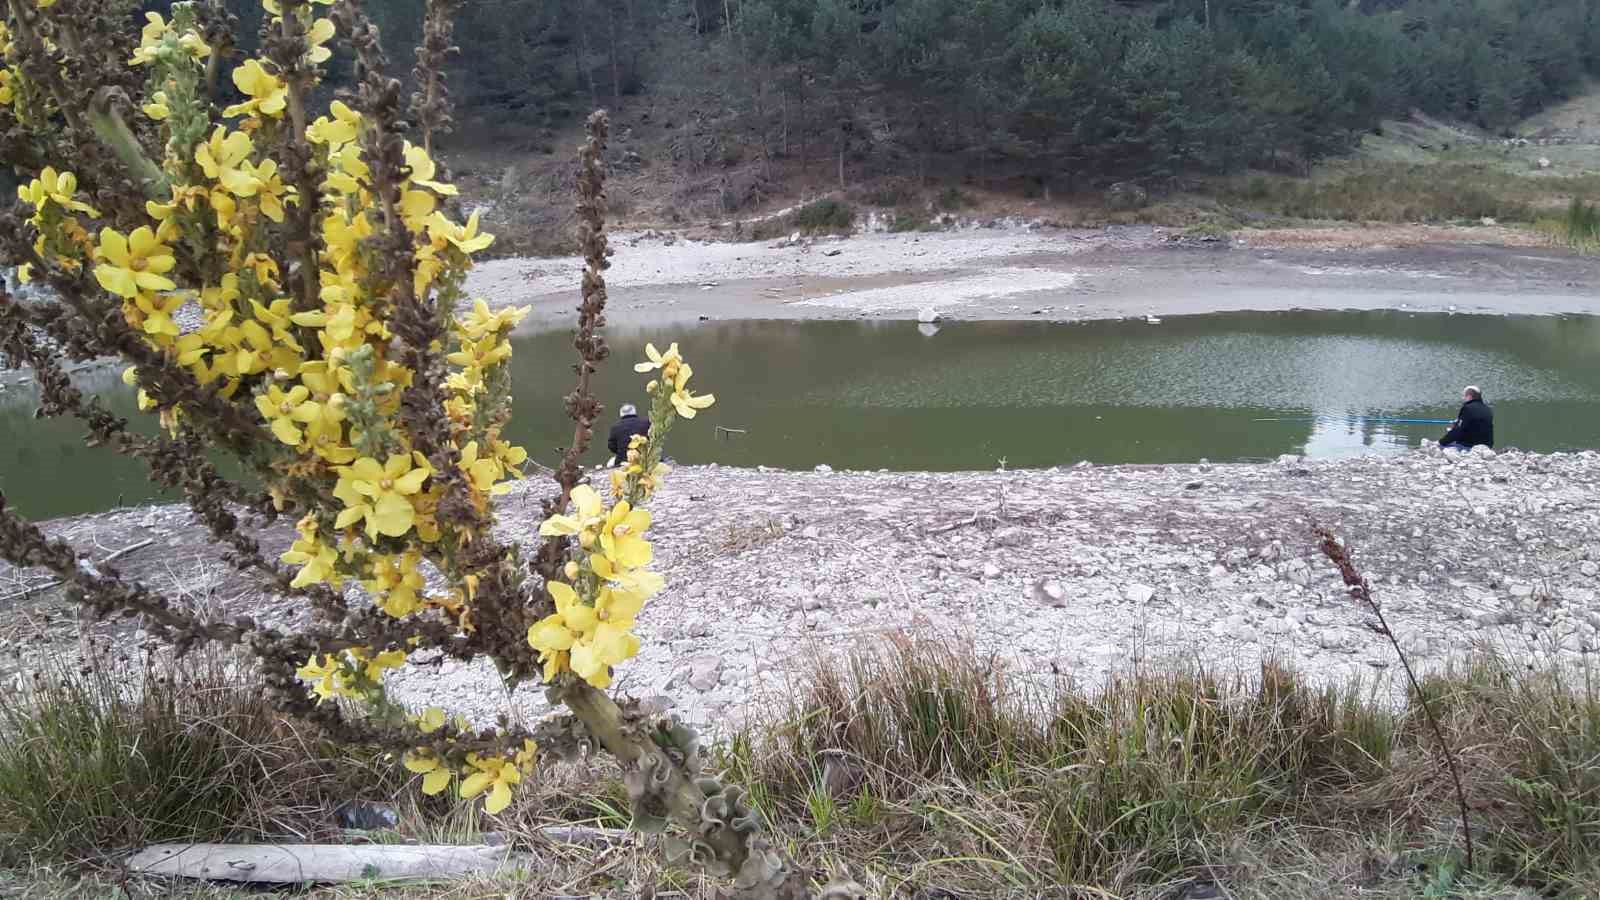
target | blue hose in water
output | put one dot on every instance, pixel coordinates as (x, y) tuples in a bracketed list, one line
[(1393, 420)]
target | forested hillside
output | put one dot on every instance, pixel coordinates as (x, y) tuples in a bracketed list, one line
[(1070, 92)]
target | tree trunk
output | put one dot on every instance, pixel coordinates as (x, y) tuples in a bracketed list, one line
[(616, 75), (588, 72)]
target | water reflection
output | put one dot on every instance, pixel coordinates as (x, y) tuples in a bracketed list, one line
[(881, 395)]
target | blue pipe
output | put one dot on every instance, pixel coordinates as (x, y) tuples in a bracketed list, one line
[(1391, 419)]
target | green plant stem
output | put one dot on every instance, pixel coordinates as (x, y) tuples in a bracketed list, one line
[(115, 134), (684, 800)]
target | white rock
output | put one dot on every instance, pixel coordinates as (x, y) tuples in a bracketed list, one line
[(704, 672), (928, 315), (1589, 569), (1049, 593), (824, 469), (1335, 639), (990, 570), (1138, 594)]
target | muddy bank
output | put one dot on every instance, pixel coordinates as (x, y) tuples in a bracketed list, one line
[(1054, 274), (1063, 572)]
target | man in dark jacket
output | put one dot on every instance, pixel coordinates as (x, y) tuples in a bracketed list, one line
[(1474, 424), (630, 424)]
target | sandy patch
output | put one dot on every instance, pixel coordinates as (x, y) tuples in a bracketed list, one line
[(1383, 237), (941, 295)]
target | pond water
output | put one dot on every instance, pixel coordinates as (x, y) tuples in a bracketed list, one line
[(895, 395)]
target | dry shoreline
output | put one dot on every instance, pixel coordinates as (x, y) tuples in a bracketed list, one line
[(1050, 274)]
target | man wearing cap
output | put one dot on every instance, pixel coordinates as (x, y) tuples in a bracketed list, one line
[(630, 424), (1474, 425)]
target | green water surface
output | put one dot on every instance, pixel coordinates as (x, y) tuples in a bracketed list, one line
[(858, 395)]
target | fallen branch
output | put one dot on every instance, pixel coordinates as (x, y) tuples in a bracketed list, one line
[(25, 593)]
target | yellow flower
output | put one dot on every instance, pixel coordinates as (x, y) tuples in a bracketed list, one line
[(328, 675), (656, 359), (57, 188), (483, 472), (620, 540), (374, 667), (337, 131), (133, 263), (7, 90), (428, 266), (316, 561), (270, 191), (683, 399), (555, 634), (435, 774), (527, 755), (157, 107), (347, 171), (396, 581), (609, 646), (154, 34), (267, 93), (377, 493), (284, 409), (150, 38), (320, 32), (510, 455), (277, 317), (225, 159), (638, 581), (590, 513), (618, 606), (464, 237), (481, 354), (152, 313), (431, 720), (415, 209), (496, 774), (423, 171), (481, 321)]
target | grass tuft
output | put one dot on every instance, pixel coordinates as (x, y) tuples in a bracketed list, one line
[(990, 782), (93, 763)]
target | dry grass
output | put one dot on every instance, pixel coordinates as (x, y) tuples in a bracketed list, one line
[(908, 766), (1378, 191), (926, 766)]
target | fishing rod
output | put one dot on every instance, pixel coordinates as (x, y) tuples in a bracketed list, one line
[(1391, 420)]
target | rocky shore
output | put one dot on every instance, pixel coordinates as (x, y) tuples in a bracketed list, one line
[(1066, 572)]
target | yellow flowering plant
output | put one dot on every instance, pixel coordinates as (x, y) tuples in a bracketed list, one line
[(288, 288)]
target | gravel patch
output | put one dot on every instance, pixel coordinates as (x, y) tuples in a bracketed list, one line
[(1067, 572)]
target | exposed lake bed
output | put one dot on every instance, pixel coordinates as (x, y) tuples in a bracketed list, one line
[(1077, 571)]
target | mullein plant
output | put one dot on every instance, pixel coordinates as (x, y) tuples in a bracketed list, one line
[(336, 356)]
